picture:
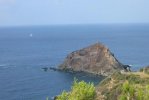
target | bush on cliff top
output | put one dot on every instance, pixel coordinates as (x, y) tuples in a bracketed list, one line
[(79, 91), (127, 86), (134, 92)]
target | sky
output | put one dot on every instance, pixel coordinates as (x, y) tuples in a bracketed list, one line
[(61, 12)]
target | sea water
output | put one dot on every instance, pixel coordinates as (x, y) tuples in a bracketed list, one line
[(24, 51)]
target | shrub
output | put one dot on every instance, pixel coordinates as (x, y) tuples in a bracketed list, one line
[(79, 91), (123, 97), (141, 70), (128, 90), (63, 96), (132, 92)]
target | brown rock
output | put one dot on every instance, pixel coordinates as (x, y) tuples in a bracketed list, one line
[(96, 59)]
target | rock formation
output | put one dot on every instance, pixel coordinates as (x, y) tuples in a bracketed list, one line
[(96, 59)]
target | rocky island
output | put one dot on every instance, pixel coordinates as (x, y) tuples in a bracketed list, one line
[(95, 59)]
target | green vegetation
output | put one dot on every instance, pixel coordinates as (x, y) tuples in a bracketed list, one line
[(145, 70), (79, 91), (127, 86), (118, 86), (134, 92)]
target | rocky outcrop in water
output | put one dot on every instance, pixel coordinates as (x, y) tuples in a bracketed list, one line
[(96, 59)]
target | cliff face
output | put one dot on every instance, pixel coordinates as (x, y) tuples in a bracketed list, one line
[(96, 59)]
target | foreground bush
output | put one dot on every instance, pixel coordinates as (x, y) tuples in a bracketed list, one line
[(79, 91), (134, 92), (124, 86)]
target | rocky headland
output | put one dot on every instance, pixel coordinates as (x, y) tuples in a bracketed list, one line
[(96, 59), (120, 83)]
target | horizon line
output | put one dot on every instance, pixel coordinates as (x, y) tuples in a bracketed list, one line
[(77, 24)]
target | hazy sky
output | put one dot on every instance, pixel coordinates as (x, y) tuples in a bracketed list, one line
[(47, 12)]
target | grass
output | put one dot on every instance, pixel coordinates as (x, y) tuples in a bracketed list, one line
[(126, 86)]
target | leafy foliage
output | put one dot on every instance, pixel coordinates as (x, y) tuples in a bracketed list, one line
[(134, 92), (124, 86), (145, 70), (63, 96), (79, 91)]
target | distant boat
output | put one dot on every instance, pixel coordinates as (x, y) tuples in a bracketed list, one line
[(31, 35)]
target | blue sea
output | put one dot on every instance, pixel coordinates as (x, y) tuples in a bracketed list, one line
[(24, 51)]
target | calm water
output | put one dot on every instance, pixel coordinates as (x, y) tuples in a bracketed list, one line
[(22, 56)]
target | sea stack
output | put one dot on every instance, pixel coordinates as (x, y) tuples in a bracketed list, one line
[(95, 59)]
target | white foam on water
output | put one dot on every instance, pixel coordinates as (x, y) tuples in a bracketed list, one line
[(6, 66)]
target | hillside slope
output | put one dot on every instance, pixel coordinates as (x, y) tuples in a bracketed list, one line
[(124, 86)]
